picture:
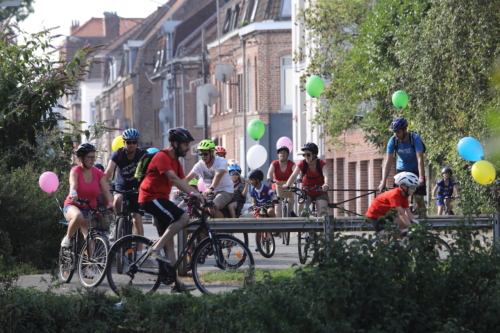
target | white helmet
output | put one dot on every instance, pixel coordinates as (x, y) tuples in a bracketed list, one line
[(406, 178)]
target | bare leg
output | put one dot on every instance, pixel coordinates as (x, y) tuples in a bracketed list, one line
[(138, 227), (232, 209), (169, 234), (277, 209), (440, 210), (76, 221)]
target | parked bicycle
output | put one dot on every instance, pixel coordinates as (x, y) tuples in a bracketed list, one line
[(220, 262), (89, 259)]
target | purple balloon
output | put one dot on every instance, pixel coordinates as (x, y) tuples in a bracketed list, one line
[(284, 141), (48, 182)]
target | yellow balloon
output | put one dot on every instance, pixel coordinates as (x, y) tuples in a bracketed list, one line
[(483, 172), (117, 143)]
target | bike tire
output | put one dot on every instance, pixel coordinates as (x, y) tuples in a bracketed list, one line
[(92, 264), (67, 261), (266, 246), (140, 273), (306, 246), (285, 212), (119, 233), (237, 265), (442, 248)]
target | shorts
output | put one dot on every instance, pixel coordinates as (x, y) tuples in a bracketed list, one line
[(378, 223), (223, 198), (85, 211), (421, 190), (440, 199), (322, 196), (164, 211), (133, 205)]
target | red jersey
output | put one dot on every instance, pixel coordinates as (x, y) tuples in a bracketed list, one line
[(386, 202), (156, 184), (282, 176), (86, 191), (311, 179)]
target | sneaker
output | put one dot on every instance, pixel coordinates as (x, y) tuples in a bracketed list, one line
[(156, 254), (179, 287), (66, 242), (256, 248), (89, 273)]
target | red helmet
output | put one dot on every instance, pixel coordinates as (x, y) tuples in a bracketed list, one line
[(220, 150)]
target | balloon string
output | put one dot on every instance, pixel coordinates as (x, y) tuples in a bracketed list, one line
[(58, 204)]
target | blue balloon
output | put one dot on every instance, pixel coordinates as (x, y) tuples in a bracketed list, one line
[(470, 149), (152, 150)]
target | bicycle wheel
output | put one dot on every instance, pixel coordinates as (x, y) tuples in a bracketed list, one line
[(265, 243), (67, 260), (120, 232), (306, 245), (235, 272), (140, 273), (285, 212), (92, 261), (285, 237), (432, 243)]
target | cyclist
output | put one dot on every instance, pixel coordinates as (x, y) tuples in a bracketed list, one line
[(314, 174), (85, 182), (213, 170), (410, 157), (220, 151), (165, 170), (240, 191), (444, 188), (125, 159), (280, 170), (394, 205)]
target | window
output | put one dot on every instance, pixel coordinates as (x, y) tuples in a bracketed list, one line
[(227, 22), (286, 83), (249, 86), (200, 107), (254, 10), (286, 9), (235, 16)]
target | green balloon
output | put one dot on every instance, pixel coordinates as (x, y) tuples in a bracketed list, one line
[(314, 86), (399, 99), (256, 129)]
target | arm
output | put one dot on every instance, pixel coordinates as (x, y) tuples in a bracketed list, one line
[(292, 177), (402, 214), (190, 177), (434, 190), (421, 166), (270, 172), (389, 159), (73, 185), (247, 187), (325, 175), (109, 170), (218, 176), (181, 183), (103, 184)]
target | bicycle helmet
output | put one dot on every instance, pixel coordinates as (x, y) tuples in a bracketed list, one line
[(283, 148), (193, 182), (220, 150), (84, 149), (99, 166), (206, 145), (407, 178), (447, 170), (399, 123), (130, 134), (179, 134), (312, 147), (256, 174), (234, 167)]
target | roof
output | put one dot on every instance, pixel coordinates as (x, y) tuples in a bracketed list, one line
[(94, 27)]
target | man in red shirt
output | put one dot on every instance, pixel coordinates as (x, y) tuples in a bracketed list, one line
[(393, 205), (164, 171)]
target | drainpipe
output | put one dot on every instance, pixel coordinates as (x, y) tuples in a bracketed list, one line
[(244, 90)]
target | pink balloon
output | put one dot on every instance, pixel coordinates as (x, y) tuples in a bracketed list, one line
[(201, 185), (49, 182), (284, 141)]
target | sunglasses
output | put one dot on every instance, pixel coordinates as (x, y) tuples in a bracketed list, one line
[(307, 154), (234, 174), (204, 154), (131, 142), (412, 187)]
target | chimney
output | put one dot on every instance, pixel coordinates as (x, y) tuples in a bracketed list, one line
[(74, 25), (111, 25)]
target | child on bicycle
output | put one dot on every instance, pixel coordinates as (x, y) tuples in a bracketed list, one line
[(240, 191), (444, 188), (261, 193), (393, 205)]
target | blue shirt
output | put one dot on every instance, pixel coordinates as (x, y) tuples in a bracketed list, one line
[(445, 190), (126, 168), (407, 156), (262, 197)]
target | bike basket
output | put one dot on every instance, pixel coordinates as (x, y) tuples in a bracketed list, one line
[(101, 221), (280, 192)]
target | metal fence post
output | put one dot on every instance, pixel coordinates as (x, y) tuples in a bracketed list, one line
[(496, 229)]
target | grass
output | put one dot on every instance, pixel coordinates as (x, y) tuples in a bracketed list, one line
[(238, 274)]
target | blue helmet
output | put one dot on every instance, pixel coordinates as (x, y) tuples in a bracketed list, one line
[(130, 133), (234, 167), (399, 123)]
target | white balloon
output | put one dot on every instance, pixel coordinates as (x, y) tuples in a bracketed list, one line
[(256, 156)]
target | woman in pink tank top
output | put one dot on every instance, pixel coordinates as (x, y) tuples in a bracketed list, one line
[(279, 171), (85, 182)]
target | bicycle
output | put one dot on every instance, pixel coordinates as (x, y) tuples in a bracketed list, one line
[(90, 259), (285, 212), (220, 262), (264, 241), (446, 203)]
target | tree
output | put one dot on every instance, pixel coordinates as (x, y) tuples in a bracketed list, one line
[(20, 13)]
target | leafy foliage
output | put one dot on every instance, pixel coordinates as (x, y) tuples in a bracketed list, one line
[(20, 13)]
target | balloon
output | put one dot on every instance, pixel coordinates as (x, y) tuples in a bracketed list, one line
[(314, 86), (256, 156), (152, 150), (48, 182), (284, 141), (470, 149), (201, 185), (117, 143), (483, 172), (399, 99), (256, 129)]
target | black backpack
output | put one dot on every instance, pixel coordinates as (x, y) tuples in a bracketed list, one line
[(142, 166), (305, 166), (412, 143)]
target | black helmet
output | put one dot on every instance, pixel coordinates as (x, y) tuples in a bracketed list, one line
[(84, 149), (283, 148), (256, 174), (312, 147), (447, 170), (179, 134), (99, 166)]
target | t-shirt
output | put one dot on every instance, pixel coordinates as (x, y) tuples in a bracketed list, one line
[(311, 179), (156, 184), (445, 190), (208, 174), (239, 187), (282, 176), (263, 196), (86, 191), (407, 156), (386, 202), (126, 167)]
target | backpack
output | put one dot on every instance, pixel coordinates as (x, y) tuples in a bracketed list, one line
[(305, 166), (142, 166), (412, 143)]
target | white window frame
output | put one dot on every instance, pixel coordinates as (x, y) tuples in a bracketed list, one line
[(284, 82)]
